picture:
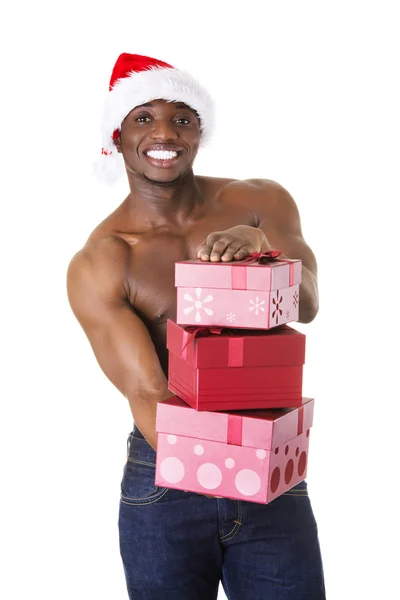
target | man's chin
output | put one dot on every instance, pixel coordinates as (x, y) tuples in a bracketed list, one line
[(162, 183)]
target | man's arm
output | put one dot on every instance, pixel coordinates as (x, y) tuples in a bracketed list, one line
[(277, 226), (280, 222), (120, 340)]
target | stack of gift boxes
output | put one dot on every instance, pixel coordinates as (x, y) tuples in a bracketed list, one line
[(238, 426)]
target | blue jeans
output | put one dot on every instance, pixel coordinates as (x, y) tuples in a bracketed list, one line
[(179, 545)]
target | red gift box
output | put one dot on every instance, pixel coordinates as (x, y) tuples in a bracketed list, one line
[(248, 455), (235, 369)]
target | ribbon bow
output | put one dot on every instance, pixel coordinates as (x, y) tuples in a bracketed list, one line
[(263, 257), (195, 331)]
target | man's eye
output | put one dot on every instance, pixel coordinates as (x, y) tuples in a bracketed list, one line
[(183, 121), (142, 119)]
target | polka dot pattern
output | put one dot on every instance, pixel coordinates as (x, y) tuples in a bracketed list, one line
[(289, 471), (275, 479), (209, 476), (302, 464), (247, 473), (247, 482), (172, 469)]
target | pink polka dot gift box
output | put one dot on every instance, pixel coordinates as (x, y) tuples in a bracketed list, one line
[(212, 368), (245, 455), (260, 292)]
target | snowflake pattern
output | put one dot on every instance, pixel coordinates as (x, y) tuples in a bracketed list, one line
[(277, 312), (295, 299), (257, 305), (198, 304), (230, 317), (287, 314)]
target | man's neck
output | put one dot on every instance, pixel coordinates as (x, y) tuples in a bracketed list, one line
[(156, 204)]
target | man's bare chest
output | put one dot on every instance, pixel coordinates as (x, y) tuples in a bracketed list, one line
[(151, 276)]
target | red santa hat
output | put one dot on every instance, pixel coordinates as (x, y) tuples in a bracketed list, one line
[(136, 80)]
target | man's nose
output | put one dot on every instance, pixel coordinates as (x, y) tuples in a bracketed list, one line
[(164, 130)]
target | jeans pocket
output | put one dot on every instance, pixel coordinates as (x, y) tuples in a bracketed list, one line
[(138, 480)]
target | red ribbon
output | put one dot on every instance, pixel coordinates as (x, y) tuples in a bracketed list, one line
[(235, 426), (239, 276), (235, 351), (262, 257), (239, 279), (234, 434), (191, 333), (235, 344)]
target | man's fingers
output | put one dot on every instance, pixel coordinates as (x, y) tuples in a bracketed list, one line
[(243, 252), (206, 245), (204, 251), (235, 249), (219, 248), (226, 248)]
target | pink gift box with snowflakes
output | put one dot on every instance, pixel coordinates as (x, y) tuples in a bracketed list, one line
[(244, 455), (253, 293)]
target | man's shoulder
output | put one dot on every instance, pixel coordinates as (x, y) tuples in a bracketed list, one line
[(106, 248), (256, 186), (253, 186), (101, 263), (258, 195)]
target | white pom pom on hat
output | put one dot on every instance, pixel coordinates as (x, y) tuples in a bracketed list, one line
[(136, 80)]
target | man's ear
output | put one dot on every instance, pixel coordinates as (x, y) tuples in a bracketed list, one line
[(117, 140), (117, 144)]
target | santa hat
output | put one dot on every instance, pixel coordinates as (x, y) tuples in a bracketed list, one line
[(136, 80)]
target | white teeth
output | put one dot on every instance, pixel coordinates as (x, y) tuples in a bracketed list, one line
[(162, 154)]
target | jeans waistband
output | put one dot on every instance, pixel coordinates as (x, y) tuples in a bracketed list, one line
[(138, 449), (137, 433)]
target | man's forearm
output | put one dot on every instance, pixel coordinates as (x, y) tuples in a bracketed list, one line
[(308, 292), (308, 295), (144, 411)]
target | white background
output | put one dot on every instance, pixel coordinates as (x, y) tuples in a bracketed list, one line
[(306, 95)]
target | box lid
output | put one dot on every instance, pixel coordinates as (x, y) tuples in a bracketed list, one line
[(238, 275), (216, 347), (261, 429)]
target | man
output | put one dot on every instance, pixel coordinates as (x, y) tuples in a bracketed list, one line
[(178, 545)]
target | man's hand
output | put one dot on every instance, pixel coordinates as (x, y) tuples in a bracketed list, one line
[(233, 244)]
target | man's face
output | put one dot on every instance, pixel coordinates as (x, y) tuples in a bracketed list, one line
[(159, 140)]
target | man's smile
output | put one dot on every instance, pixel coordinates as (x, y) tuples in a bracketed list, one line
[(162, 155)]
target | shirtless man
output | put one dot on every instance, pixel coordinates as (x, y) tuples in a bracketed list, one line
[(180, 545)]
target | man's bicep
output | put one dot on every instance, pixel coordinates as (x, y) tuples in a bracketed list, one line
[(282, 227), (119, 339), (125, 352), (294, 247)]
